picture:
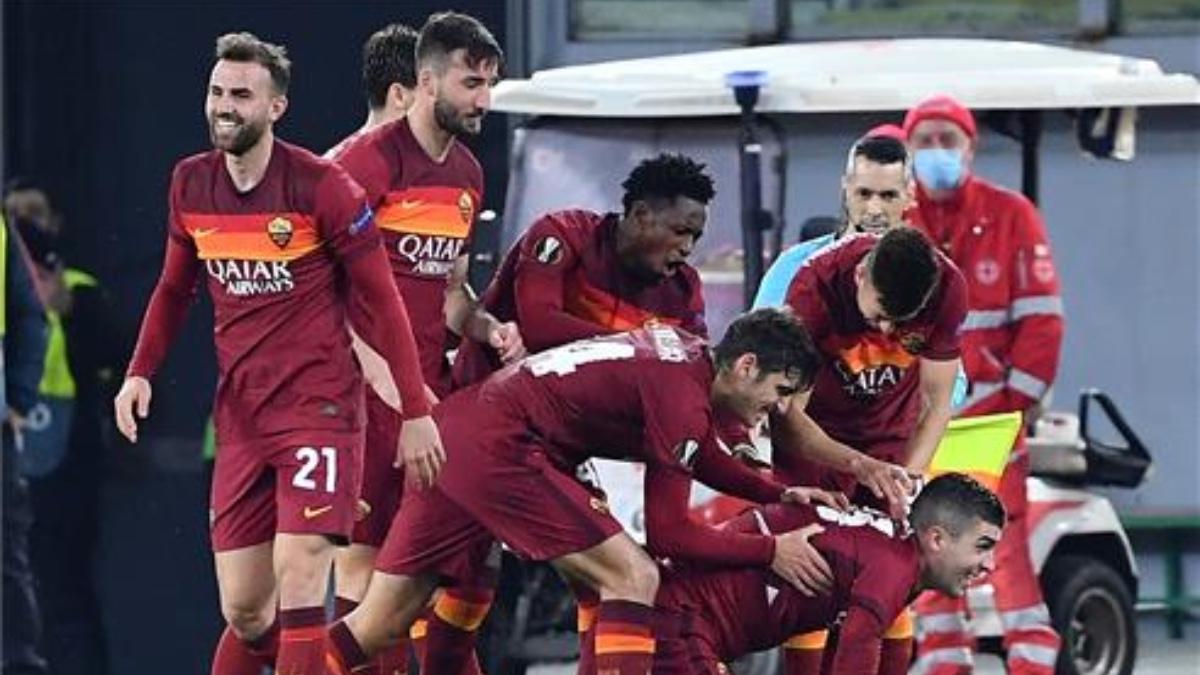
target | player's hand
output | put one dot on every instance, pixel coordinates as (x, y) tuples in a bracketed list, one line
[(506, 340), (810, 495), (134, 397), (421, 451), (885, 480), (800, 564)]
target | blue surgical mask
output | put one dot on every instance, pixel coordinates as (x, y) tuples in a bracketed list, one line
[(938, 168)]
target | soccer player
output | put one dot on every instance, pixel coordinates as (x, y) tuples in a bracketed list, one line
[(884, 312), (577, 274), (879, 565), (1012, 340), (426, 187), (516, 440), (389, 78), (277, 230)]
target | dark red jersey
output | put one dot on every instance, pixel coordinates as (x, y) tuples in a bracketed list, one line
[(875, 571), (563, 280), (425, 210), (280, 322), (637, 396), (866, 391)]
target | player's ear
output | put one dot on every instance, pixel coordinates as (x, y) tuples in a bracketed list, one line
[(746, 365), (279, 105), (427, 80)]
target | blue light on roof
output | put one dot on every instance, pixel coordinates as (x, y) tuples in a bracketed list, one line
[(746, 78)]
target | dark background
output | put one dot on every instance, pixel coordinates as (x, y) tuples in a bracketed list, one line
[(100, 101)]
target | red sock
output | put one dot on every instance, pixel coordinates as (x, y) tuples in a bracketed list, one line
[(803, 653), (235, 656), (343, 653), (588, 602), (624, 638), (301, 641), (895, 656), (453, 623), (392, 661)]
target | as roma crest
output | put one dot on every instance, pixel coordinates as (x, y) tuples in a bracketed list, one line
[(913, 343), (466, 206), (280, 231)]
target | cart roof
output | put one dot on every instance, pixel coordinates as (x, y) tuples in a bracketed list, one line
[(852, 76)]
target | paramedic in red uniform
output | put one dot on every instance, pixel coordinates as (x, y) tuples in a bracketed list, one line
[(1012, 338), (516, 440), (280, 234), (879, 565)]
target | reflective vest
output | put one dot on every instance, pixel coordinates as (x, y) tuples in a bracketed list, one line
[(57, 381)]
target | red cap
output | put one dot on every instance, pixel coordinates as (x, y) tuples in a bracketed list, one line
[(887, 131), (940, 108)]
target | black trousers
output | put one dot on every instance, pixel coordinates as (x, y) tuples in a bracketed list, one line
[(64, 545), (22, 621)]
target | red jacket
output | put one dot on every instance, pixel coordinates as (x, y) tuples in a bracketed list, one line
[(1012, 336)]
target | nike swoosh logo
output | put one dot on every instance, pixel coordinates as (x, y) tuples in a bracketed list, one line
[(411, 203), (310, 512), (198, 233)]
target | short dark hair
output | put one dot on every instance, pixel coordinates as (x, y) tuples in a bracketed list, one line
[(447, 32), (667, 177), (880, 150), (954, 501), (777, 338), (247, 48), (904, 268), (389, 57)]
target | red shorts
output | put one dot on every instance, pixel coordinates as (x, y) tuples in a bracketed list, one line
[(382, 483), (294, 483), (686, 653), (497, 484)]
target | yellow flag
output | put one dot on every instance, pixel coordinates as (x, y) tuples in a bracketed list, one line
[(978, 447)]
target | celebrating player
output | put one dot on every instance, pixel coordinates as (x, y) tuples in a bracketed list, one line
[(426, 188), (878, 567), (275, 227), (516, 440)]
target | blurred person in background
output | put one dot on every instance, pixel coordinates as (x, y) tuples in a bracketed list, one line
[(1011, 341), (23, 330), (64, 449)]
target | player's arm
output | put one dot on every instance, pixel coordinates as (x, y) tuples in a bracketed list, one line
[(937, 380), (673, 445), (671, 532), (724, 473), (860, 641), (803, 435), (466, 316), (545, 260), (882, 588), (349, 229), (1037, 312), (169, 303)]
